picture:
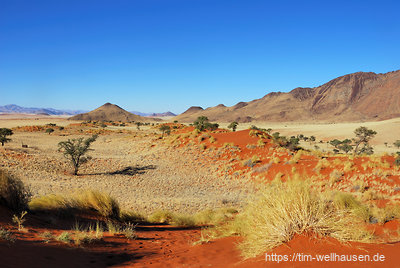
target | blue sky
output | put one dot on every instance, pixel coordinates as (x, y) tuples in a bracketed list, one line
[(155, 56)]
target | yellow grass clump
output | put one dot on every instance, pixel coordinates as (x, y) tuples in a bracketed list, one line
[(85, 200), (284, 209)]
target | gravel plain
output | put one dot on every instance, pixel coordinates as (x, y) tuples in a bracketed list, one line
[(142, 172)]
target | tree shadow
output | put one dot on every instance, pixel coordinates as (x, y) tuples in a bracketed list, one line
[(129, 171)]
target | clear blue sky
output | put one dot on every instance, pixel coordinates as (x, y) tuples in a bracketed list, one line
[(154, 56)]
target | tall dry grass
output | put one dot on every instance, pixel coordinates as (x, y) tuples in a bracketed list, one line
[(13, 193), (84, 200), (283, 209)]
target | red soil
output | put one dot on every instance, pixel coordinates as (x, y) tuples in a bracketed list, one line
[(166, 246)]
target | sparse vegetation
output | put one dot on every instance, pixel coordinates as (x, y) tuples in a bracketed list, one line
[(74, 150)]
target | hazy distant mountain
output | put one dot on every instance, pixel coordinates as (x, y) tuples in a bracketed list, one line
[(111, 112), (354, 97), (15, 109), (154, 114)]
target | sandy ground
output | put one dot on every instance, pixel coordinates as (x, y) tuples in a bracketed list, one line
[(141, 172)]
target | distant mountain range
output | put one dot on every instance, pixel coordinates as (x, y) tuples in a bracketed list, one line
[(353, 97), (15, 109), (154, 114)]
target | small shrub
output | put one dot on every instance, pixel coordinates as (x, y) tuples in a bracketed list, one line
[(47, 236), (252, 161), (129, 231), (64, 237), (19, 220), (6, 235), (49, 131)]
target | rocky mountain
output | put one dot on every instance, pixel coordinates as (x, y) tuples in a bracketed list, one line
[(15, 109), (111, 112), (355, 97)]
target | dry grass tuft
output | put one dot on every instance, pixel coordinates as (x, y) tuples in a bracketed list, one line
[(13, 194), (85, 200), (282, 210)]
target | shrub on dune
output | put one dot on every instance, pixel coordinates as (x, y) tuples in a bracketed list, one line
[(284, 209)]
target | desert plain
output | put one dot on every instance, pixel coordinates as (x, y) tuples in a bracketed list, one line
[(187, 172)]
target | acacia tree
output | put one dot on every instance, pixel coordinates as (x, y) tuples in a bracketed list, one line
[(4, 132), (75, 149), (233, 126), (363, 136), (165, 129), (202, 124)]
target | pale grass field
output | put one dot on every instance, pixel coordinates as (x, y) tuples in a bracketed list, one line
[(388, 131)]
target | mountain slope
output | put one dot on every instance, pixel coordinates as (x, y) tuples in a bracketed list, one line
[(111, 112), (354, 97)]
